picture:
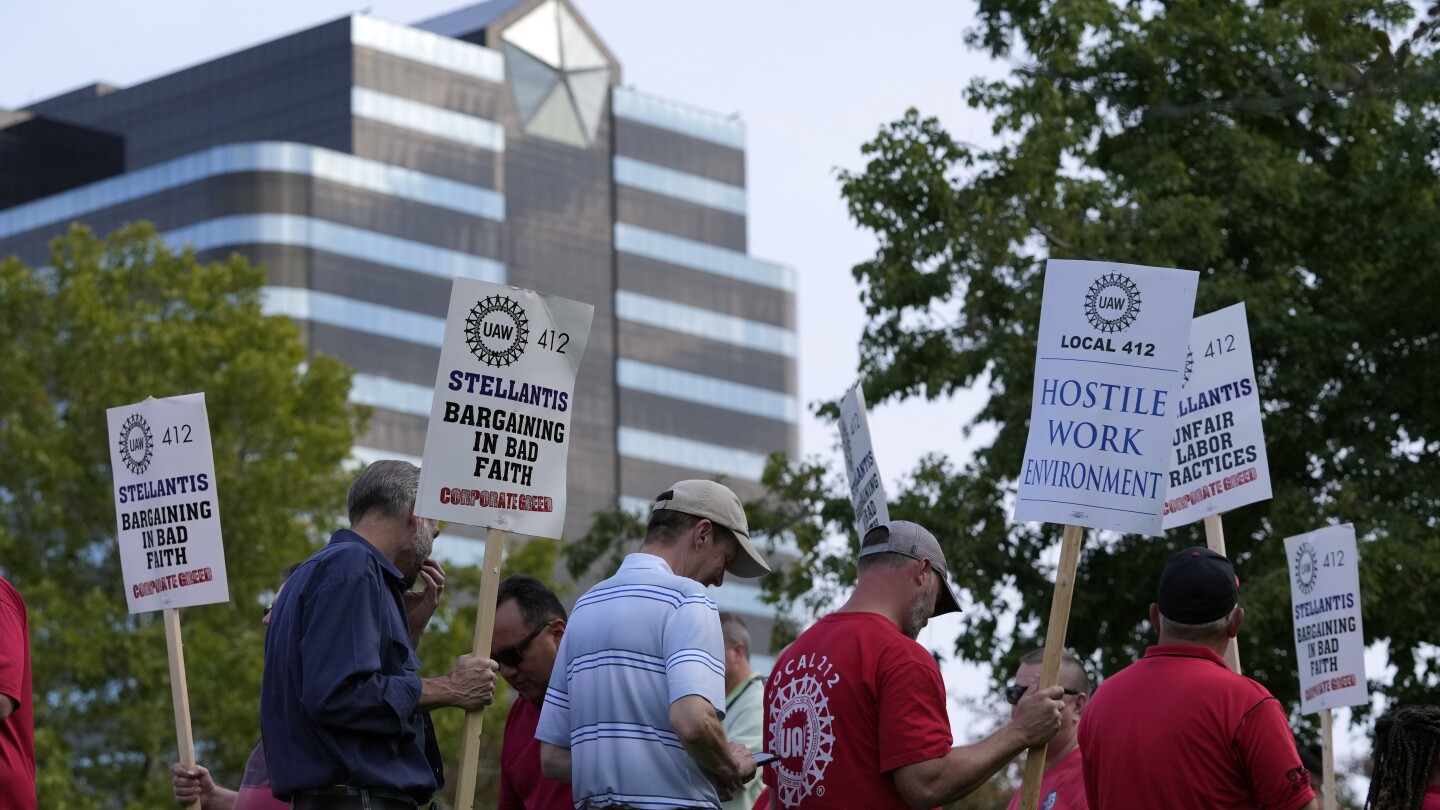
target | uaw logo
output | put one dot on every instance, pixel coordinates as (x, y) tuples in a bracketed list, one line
[(137, 445), (801, 736), (497, 330), (1305, 567), (1112, 303)]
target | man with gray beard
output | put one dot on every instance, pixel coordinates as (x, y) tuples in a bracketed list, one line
[(855, 708), (344, 714)]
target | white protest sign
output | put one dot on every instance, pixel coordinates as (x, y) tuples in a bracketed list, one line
[(1217, 459), (1110, 350), (1329, 638), (499, 433), (167, 514), (867, 494)]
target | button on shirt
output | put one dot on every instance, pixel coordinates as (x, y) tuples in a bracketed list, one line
[(338, 700), (635, 644)]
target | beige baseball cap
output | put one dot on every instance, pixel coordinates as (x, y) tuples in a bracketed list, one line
[(916, 542), (716, 503)]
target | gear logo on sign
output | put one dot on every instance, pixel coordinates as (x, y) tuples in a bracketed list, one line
[(1112, 303), (1305, 567), (802, 737), (137, 445), (497, 330)]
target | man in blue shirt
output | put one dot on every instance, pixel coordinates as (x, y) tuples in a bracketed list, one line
[(343, 712)]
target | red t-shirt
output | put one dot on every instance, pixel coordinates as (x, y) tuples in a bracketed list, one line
[(254, 792), (522, 785), (850, 701), (1062, 787), (17, 731), (1432, 798), (1179, 729)]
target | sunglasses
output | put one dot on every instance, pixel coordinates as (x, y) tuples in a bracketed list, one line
[(1015, 691), (512, 656)]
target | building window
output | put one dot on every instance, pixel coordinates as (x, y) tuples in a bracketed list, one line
[(676, 117), (707, 258), (343, 240), (711, 391), (680, 185), (360, 316), (431, 49), (712, 459), (427, 119), (704, 323)]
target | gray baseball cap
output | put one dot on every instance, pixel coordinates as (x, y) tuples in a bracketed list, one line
[(914, 540), (718, 504)]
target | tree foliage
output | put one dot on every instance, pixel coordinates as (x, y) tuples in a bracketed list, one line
[(1286, 150), (109, 322)]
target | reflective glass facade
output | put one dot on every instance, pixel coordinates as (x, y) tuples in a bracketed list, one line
[(431, 49), (680, 185), (665, 113), (288, 229), (292, 158), (382, 392), (705, 390), (709, 459), (360, 316), (704, 323), (700, 256), (366, 163), (427, 119)]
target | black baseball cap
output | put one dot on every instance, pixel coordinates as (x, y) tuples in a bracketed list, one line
[(1197, 586)]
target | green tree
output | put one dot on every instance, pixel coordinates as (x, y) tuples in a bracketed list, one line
[(109, 322), (1286, 150)]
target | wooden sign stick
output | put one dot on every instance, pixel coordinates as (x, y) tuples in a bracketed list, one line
[(1054, 647), (1215, 539), (484, 627), (1328, 732), (179, 694)]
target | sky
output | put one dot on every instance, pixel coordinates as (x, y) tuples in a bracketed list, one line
[(812, 80)]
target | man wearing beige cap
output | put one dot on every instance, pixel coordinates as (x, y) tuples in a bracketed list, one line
[(633, 714), (855, 709)]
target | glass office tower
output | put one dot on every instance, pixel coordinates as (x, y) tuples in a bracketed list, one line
[(365, 163)]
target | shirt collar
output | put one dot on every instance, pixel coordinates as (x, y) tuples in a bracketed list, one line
[(1185, 651), (645, 561), (743, 685), (347, 536)]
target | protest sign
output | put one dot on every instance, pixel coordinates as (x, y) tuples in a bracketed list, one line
[(1217, 458), (1110, 351), (167, 513), (1329, 637), (498, 439), (867, 494), (167, 519)]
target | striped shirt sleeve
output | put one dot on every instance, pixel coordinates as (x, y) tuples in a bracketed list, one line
[(693, 652)]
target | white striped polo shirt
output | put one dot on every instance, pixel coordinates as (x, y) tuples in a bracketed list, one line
[(635, 643)]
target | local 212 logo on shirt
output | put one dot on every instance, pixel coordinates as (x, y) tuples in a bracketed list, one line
[(801, 733)]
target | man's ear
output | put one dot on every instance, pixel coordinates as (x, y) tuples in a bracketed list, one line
[(1232, 627)]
